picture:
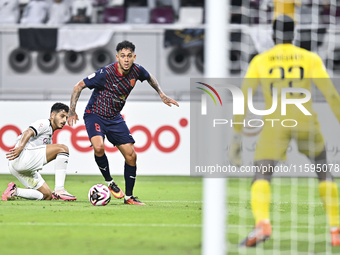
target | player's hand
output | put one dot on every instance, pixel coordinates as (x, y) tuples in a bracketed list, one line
[(72, 119), (235, 150), (168, 100), (14, 153)]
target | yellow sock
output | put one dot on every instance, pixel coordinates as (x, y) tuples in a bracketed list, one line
[(260, 200), (329, 195)]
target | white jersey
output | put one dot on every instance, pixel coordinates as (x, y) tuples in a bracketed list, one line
[(42, 134)]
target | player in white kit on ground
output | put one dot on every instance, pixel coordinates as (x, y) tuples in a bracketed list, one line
[(34, 149)]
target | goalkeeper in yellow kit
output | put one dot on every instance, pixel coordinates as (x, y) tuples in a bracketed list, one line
[(286, 65)]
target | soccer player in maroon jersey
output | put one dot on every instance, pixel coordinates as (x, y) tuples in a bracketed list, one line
[(111, 86)]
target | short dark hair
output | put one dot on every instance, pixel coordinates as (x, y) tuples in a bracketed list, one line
[(57, 107), (283, 28), (125, 45)]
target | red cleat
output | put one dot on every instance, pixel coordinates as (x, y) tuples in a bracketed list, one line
[(335, 237), (260, 233), (133, 201), (116, 191)]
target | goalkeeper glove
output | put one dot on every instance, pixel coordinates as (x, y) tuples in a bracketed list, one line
[(235, 150)]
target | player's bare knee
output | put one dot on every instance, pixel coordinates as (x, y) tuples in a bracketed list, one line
[(134, 157), (63, 148), (99, 149), (265, 170), (131, 158), (325, 175)]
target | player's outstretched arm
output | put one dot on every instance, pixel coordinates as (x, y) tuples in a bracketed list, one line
[(72, 115), (15, 152), (166, 100)]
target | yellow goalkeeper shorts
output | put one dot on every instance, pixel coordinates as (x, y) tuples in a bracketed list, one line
[(274, 141)]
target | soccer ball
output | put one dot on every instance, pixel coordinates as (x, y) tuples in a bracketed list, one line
[(99, 194)]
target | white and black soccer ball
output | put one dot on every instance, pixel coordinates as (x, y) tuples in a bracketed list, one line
[(99, 194)]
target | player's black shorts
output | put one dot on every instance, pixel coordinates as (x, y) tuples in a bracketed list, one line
[(115, 129)]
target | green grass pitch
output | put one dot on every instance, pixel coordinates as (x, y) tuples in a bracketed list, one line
[(297, 216), (169, 224)]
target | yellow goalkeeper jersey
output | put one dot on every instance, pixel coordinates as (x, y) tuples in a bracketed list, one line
[(286, 65)]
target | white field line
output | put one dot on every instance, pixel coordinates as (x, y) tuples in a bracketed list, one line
[(196, 202), (56, 224), (237, 202), (298, 203), (169, 182), (280, 226)]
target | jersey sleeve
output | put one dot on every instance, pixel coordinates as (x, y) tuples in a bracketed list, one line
[(252, 71), (40, 126), (325, 85), (143, 74), (97, 79), (251, 80)]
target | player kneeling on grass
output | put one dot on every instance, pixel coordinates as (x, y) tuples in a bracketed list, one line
[(34, 149)]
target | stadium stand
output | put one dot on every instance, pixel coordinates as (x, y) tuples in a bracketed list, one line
[(162, 16), (249, 34), (9, 11), (138, 15), (114, 15), (190, 15)]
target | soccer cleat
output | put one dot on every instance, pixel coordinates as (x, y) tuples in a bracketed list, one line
[(116, 191), (10, 192), (133, 201), (63, 194), (260, 233), (335, 236)]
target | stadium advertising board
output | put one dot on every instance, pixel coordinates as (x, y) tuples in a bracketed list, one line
[(161, 134)]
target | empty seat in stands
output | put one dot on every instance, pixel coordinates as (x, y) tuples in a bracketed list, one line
[(113, 3), (190, 15), (138, 15), (162, 15), (114, 15), (329, 16), (100, 2)]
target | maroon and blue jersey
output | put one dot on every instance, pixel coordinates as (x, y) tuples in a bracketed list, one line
[(111, 89)]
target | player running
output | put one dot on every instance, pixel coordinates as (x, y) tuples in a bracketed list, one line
[(112, 85), (33, 150), (286, 65)]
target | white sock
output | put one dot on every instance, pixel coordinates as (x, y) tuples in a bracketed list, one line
[(30, 194), (60, 165), (127, 197), (334, 228), (108, 183)]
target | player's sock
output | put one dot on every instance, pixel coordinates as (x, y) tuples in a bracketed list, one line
[(103, 165), (329, 195), (60, 166), (130, 178), (30, 194), (260, 200)]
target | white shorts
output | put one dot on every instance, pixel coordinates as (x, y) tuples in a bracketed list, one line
[(25, 167)]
